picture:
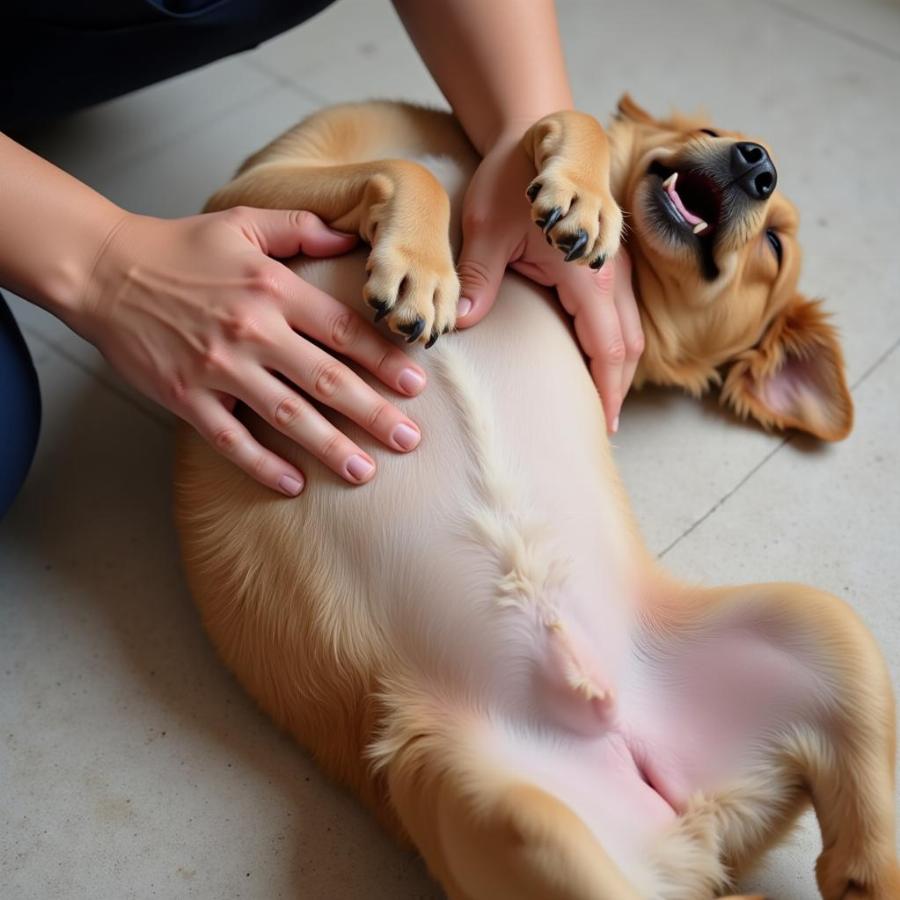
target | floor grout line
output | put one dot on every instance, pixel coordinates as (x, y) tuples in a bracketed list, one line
[(97, 376), (724, 498), (835, 30), (286, 82), (188, 131), (787, 440), (875, 365)]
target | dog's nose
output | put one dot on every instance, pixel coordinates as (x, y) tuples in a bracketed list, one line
[(753, 170)]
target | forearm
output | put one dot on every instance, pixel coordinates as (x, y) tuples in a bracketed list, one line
[(52, 228), (498, 62)]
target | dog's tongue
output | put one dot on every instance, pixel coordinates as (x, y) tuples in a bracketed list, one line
[(689, 217)]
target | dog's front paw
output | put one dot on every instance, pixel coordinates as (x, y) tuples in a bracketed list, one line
[(414, 290), (579, 218)]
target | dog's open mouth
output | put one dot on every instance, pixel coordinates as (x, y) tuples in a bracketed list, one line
[(689, 198)]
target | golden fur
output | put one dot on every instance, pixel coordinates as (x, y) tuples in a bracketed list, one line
[(750, 325), (463, 641)]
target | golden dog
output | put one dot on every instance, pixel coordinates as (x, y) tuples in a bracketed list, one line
[(477, 642)]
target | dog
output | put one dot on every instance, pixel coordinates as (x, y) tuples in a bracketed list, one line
[(477, 642)]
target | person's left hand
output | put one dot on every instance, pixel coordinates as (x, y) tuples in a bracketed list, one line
[(498, 232)]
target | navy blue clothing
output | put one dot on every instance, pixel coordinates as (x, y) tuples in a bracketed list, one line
[(20, 408), (58, 56)]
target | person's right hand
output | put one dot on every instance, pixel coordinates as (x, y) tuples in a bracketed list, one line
[(194, 313)]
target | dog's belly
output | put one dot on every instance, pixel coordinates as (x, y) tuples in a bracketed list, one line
[(495, 570), (506, 533)]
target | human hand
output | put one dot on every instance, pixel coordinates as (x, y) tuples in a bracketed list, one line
[(196, 315), (498, 232)]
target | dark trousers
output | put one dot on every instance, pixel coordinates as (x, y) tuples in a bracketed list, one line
[(20, 408), (58, 56)]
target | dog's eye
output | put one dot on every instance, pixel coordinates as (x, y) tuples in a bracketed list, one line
[(775, 243), (710, 132)]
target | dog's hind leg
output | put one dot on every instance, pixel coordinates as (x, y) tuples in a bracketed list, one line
[(777, 693)]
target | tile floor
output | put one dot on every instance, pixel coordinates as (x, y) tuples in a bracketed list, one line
[(131, 765)]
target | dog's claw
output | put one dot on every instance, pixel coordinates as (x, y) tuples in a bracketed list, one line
[(553, 217), (381, 309), (597, 263), (413, 329), (432, 340), (533, 191), (576, 249)]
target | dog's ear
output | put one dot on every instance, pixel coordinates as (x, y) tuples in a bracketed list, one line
[(794, 377), (628, 109)]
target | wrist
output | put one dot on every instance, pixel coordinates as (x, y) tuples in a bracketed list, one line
[(512, 128), (52, 231), (63, 286)]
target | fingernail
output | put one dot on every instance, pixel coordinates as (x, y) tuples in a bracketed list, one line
[(289, 485), (405, 436), (359, 468), (411, 381), (464, 307), (615, 425)]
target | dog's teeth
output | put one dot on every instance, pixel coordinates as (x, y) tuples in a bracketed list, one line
[(670, 181), (700, 226)]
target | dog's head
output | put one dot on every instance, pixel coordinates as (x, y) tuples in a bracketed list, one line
[(716, 263)]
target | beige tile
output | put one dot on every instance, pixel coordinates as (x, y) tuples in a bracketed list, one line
[(679, 456), (874, 23), (355, 50), (178, 179), (92, 143), (339, 35)]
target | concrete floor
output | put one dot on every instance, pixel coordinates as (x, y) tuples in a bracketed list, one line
[(131, 764)]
